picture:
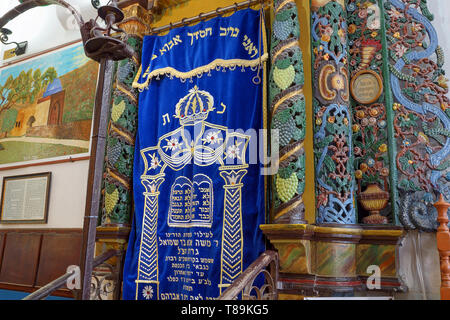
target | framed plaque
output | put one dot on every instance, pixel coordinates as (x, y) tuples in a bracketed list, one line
[(25, 198), (366, 86)]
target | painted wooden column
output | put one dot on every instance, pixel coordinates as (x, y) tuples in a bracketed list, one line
[(335, 257), (336, 237), (115, 217), (117, 185), (371, 118), (443, 244), (420, 113), (332, 115), (288, 115)]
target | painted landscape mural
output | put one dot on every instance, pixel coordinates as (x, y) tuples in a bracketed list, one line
[(46, 106)]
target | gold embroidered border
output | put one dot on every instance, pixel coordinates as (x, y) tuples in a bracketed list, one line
[(197, 71)]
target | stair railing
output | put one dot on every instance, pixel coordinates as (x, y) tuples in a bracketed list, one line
[(245, 283), (72, 279)]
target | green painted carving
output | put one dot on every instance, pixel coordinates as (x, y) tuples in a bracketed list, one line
[(287, 104), (420, 109), (118, 172), (370, 120), (333, 147)]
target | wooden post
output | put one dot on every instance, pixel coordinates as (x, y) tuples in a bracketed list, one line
[(443, 244)]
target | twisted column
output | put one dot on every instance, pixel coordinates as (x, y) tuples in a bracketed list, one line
[(117, 183), (288, 113)]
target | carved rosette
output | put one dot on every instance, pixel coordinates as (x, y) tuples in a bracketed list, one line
[(333, 148), (287, 104)]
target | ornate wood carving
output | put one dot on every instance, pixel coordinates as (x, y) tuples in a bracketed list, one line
[(421, 113), (117, 177), (333, 147), (288, 112)]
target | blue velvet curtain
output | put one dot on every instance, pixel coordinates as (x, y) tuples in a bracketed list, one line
[(198, 188)]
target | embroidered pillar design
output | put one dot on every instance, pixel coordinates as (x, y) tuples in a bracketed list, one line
[(332, 127), (288, 114), (232, 238), (147, 281), (197, 196)]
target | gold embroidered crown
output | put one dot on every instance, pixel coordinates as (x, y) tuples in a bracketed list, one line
[(194, 107)]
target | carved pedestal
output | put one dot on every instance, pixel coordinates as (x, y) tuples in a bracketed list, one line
[(333, 260), (106, 280)]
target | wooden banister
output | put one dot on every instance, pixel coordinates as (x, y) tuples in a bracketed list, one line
[(443, 244), (245, 282)]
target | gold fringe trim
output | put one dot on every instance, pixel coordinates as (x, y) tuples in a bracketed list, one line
[(197, 71)]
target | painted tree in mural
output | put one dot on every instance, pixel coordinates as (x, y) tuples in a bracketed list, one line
[(421, 112), (25, 88), (288, 113), (9, 120)]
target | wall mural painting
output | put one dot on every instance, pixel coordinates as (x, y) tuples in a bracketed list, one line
[(46, 106), (421, 112), (332, 123), (370, 123)]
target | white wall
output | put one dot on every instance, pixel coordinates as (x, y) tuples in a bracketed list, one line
[(45, 28), (67, 194), (419, 266), (441, 11)]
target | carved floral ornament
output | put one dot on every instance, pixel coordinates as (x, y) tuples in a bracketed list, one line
[(332, 125)]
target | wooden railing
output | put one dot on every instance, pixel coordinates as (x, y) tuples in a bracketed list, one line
[(245, 283), (443, 244), (71, 279), (72, 275)]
